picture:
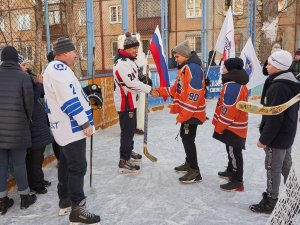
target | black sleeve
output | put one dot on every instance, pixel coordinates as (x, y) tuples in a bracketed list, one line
[(28, 96), (277, 95)]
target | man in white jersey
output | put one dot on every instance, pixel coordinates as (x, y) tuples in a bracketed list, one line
[(71, 122), (127, 86)]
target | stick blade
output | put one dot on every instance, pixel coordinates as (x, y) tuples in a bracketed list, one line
[(148, 155)]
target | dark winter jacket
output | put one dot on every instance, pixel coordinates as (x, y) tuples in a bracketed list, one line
[(16, 106), (234, 123), (40, 131), (279, 131), (295, 69)]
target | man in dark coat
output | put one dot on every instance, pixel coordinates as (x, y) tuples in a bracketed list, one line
[(40, 133), (278, 132), (16, 106)]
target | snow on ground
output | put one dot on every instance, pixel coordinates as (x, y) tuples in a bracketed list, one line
[(155, 197)]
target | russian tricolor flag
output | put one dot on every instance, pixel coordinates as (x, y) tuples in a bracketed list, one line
[(156, 49)]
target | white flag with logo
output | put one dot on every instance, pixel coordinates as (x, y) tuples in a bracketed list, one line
[(225, 42), (252, 65)]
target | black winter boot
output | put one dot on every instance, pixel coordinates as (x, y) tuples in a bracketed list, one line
[(225, 174), (183, 168), (266, 205), (192, 176), (64, 206), (233, 185), (27, 200), (127, 167), (79, 214), (135, 157), (5, 204)]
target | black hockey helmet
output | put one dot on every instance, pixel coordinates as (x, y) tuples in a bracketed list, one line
[(94, 94)]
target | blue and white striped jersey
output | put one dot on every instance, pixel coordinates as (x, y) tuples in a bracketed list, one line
[(66, 103)]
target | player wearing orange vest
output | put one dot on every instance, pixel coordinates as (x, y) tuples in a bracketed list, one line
[(231, 125), (189, 103)]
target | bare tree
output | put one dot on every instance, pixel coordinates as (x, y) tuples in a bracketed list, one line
[(39, 23), (71, 32)]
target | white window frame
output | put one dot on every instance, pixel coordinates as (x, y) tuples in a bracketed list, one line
[(82, 17), (26, 53), (83, 51), (192, 44), (54, 17), (194, 9), (23, 22), (233, 8), (2, 24), (118, 14), (112, 50)]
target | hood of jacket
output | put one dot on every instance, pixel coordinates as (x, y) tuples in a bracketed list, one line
[(194, 58), (238, 76), (289, 79), (10, 65)]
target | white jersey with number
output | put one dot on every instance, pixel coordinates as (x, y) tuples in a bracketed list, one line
[(66, 103), (127, 85)]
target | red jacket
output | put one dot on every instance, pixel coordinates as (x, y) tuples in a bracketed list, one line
[(188, 93)]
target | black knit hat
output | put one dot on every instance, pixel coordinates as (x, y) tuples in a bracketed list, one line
[(9, 53), (234, 63), (297, 52), (62, 45), (130, 41)]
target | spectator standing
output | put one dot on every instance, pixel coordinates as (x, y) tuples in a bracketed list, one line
[(16, 106)]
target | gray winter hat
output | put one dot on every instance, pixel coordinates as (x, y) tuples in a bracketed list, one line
[(130, 41), (62, 45), (183, 49)]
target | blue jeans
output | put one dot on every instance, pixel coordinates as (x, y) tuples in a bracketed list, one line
[(71, 170), (17, 157)]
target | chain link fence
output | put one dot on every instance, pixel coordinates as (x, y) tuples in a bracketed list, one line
[(22, 24)]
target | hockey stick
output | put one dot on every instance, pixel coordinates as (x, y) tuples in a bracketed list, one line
[(265, 110), (145, 143), (91, 146)]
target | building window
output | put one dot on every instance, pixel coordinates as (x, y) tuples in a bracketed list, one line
[(148, 9), (83, 51), (26, 51), (145, 44), (82, 17), (23, 22), (115, 14), (238, 42), (195, 42), (113, 47), (282, 4), (54, 17), (2, 26), (236, 5), (193, 8)]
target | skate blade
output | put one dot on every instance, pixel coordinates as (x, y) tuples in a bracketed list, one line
[(64, 212), (76, 223), (128, 172), (239, 189)]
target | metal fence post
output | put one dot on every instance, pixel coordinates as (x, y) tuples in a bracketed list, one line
[(125, 16), (90, 35), (47, 26)]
